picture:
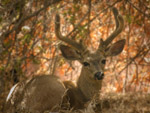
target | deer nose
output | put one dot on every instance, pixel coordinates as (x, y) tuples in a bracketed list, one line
[(99, 75)]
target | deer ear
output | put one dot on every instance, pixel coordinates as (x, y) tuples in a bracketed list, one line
[(69, 53), (116, 48)]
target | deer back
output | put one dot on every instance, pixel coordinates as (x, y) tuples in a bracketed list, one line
[(37, 94)]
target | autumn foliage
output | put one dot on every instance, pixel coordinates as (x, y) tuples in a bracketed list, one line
[(29, 46)]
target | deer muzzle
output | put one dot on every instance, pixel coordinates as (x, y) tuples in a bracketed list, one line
[(99, 76)]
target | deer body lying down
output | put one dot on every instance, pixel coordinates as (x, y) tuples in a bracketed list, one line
[(36, 94), (45, 92)]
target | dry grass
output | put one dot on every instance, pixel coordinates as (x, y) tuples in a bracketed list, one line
[(117, 103), (114, 103), (124, 103)]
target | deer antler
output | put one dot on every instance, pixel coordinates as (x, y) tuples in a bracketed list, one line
[(119, 27), (75, 45)]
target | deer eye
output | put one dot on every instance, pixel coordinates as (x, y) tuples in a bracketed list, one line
[(103, 61), (86, 64)]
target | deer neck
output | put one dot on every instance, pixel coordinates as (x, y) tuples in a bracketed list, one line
[(89, 87)]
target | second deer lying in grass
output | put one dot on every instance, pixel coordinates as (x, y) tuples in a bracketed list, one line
[(45, 92)]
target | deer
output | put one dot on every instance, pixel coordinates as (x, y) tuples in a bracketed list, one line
[(44, 92)]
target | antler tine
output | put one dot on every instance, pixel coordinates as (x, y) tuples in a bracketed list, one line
[(75, 45), (119, 27)]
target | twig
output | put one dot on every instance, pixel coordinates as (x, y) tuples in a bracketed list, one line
[(90, 21), (148, 16), (23, 19)]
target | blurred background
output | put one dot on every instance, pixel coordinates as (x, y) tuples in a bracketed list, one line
[(29, 46)]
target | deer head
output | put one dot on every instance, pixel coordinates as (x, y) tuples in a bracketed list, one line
[(93, 63)]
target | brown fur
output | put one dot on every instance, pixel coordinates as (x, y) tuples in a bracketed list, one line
[(74, 96), (38, 94)]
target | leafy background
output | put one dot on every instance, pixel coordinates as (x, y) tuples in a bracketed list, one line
[(28, 45)]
